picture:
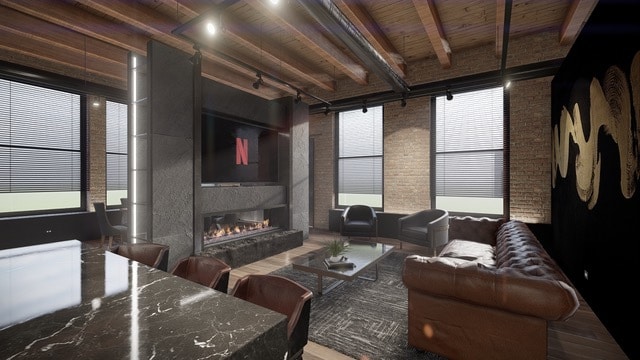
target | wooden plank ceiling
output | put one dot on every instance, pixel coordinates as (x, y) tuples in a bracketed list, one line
[(297, 45)]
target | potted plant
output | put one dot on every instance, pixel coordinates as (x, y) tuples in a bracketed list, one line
[(335, 249)]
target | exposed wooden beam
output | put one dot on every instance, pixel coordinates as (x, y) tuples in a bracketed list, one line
[(358, 15), (51, 43), (578, 14), (313, 40), (286, 63), (261, 48), (500, 23), (74, 18), (432, 25), (159, 27)]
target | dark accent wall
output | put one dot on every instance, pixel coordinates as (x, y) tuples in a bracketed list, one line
[(596, 191)]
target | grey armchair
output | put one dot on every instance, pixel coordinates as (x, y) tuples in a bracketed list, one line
[(359, 220), (428, 228)]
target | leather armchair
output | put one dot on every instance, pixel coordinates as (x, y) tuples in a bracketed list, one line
[(428, 228), (204, 270), (359, 220), (284, 296), (154, 255)]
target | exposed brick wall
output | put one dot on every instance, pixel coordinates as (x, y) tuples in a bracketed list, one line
[(406, 156), (97, 140), (406, 169), (531, 157), (321, 129)]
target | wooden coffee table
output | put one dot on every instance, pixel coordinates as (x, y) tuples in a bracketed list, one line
[(364, 255)]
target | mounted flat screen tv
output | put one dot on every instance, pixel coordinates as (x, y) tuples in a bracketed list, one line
[(237, 151)]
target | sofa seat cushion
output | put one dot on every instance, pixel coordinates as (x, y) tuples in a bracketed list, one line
[(470, 251)]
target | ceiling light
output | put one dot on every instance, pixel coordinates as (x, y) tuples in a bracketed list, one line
[(298, 97), (258, 82), (507, 84), (364, 106), (211, 28), (274, 2), (326, 110), (449, 95), (403, 102)]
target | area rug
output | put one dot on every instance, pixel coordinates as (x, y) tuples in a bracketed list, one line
[(362, 319)]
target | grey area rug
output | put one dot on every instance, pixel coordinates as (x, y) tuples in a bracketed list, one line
[(362, 319)]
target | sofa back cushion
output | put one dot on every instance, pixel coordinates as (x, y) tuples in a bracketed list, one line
[(518, 249), (478, 229)]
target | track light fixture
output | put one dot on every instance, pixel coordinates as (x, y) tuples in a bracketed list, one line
[(403, 101), (364, 106), (258, 82), (298, 97), (326, 110), (449, 95)]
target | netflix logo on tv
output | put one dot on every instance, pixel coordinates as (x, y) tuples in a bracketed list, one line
[(237, 151)]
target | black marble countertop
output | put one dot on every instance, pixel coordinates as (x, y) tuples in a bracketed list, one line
[(64, 300)]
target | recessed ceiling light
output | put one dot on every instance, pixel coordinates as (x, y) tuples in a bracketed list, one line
[(211, 28)]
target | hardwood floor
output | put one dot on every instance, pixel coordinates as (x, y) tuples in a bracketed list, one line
[(582, 336)]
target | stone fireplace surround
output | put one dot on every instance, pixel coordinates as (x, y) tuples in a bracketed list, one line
[(224, 199)]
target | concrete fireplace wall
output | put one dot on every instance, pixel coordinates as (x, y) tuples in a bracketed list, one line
[(177, 201)]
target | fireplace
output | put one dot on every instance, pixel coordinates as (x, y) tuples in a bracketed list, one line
[(231, 226)]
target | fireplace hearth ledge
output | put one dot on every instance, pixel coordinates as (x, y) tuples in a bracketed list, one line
[(251, 249)]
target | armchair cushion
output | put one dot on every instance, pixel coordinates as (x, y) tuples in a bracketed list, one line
[(428, 228), (359, 220)]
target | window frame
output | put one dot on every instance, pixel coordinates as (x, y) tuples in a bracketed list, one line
[(337, 158), (83, 152), (505, 154)]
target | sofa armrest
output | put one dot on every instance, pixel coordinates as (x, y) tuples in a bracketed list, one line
[(503, 289)]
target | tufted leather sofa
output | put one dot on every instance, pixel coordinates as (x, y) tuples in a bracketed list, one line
[(489, 295)]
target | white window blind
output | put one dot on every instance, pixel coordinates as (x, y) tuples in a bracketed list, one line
[(116, 152), (360, 157), (469, 152), (40, 150)]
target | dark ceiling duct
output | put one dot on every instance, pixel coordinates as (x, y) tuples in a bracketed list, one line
[(327, 14)]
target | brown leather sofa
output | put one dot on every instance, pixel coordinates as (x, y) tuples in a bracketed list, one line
[(488, 295)]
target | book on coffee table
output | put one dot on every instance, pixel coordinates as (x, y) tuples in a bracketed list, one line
[(342, 264)]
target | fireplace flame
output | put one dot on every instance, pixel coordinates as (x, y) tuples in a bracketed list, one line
[(218, 231)]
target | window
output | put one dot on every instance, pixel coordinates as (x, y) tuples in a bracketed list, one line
[(360, 157), (40, 149), (116, 152), (469, 152)]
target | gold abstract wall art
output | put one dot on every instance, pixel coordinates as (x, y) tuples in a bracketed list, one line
[(613, 108)]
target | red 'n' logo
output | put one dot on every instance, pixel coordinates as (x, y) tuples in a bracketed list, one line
[(242, 151)]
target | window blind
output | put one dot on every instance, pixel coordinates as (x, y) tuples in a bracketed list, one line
[(469, 144), (39, 139), (360, 157)]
